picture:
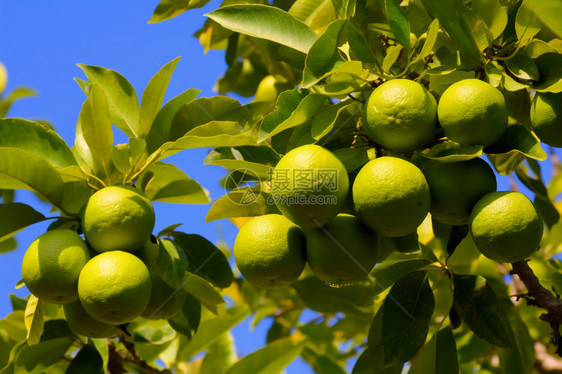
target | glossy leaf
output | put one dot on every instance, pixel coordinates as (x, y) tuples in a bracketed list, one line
[(293, 108), (316, 14), (493, 13), (477, 304), (35, 138), (87, 361), (256, 159), (439, 356), (166, 183), (527, 24), (548, 11), (167, 9), (450, 151), (211, 329), (406, 315), (398, 23), (266, 22), (37, 358), (14, 217), (121, 97), (33, 320), (517, 138), (161, 126), (24, 170), (203, 291), (242, 202), (205, 259), (153, 95)]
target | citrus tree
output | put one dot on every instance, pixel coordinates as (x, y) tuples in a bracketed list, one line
[(372, 235)]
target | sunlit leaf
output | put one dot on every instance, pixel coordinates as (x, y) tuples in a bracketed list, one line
[(38, 358), (550, 67), (450, 151), (220, 355), (167, 9), (548, 11), (34, 320), (255, 159), (242, 202), (203, 291), (517, 138)]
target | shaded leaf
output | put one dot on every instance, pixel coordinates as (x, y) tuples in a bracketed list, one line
[(14, 217), (387, 274), (220, 355), (257, 159), (187, 319), (151, 331), (345, 8), (517, 138), (17, 302), (203, 291), (33, 319), (265, 22), (37, 358), (242, 202), (550, 67), (87, 361), (450, 151), (439, 355), (398, 23)]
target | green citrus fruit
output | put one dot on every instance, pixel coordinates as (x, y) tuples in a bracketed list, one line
[(472, 112), (84, 324), (165, 301), (3, 77), (546, 117), (342, 252), (52, 263), (506, 226), (309, 185), (114, 287), (401, 115), (456, 187), (118, 218), (270, 251), (391, 196)]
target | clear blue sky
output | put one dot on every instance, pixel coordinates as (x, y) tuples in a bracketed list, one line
[(41, 43)]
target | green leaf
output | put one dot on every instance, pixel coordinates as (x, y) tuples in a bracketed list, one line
[(166, 183), (256, 159), (271, 359), (505, 163), (203, 291), (220, 355), (151, 331), (387, 274), (548, 11), (35, 138), (521, 358), (153, 95), (527, 24), (345, 8), (167, 9), (33, 320), (87, 361), (517, 138), (431, 38), (205, 259), (392, 54), (14, 217), (398, 23), (17, 302), (439, 356), (524, 68), (550, 67), (450, 151), (18, 93), (23, 170), (316, 14), (37, 358), (493, 13), (449, 14), (319, 297), (323, 56), (161, 126), (265, 22), (187, 319), (242, 202), (477, 304), (375, 351), (126, 156), (406, 315), (293, 108), (121, 97), (94, 129), (352, 158), (211, 329), (324, 121)]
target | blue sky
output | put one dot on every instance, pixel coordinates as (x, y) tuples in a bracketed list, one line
[(42, 41)]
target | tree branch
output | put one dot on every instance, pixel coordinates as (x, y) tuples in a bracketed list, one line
[(118, 356)]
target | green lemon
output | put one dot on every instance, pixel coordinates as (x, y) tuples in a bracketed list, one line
[(342, 252), (165, 301), (309, 185), (52, 264), (456, 187), (3, 77), (472, 112), (401, 115), (118, 218), (84, 324), (506, 226), (270, 251), (546, 118), (391, 196), (114, 287)]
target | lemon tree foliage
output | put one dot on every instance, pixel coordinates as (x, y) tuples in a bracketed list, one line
[(359, 170)]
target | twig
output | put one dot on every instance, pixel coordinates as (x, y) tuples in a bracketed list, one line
[(118, 356)]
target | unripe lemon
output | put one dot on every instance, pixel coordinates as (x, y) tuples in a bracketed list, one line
[(309, 185), (84, 324), (546, 117), (506, 226), (342, 252), (118, 218), (114, 287), (391, 196), (52, 263), (401, 115), (472, 112), (270, 251), (456, 187)]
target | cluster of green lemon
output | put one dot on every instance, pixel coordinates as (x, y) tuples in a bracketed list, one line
[(99, 280), (389, 196)]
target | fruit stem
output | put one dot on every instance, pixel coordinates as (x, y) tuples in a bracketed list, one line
[(118, 356)]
